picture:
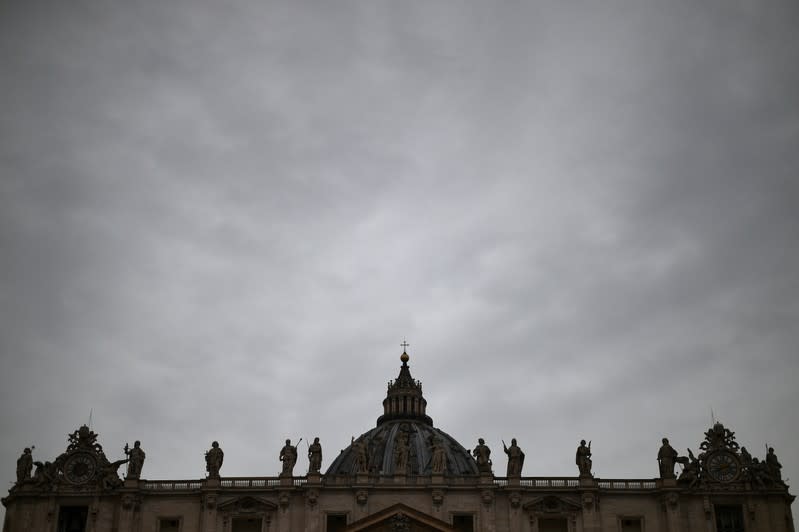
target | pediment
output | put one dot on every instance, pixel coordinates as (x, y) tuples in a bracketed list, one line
[(247, 505), (552, 504), (400, 518)]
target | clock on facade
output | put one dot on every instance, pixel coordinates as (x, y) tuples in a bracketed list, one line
[(723, 466), (80, 468)]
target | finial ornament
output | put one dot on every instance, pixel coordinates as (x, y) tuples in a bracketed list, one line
[(404, 357)]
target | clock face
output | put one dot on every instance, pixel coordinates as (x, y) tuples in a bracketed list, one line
[(80, 468), (723, 466)]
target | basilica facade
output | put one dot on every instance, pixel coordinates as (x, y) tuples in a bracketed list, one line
[(403, 475)]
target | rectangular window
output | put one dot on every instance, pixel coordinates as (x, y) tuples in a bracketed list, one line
[(553, 525), (463, 522), (169, 524), (729, 518), (72, 518), (631, 524), (246, 524), (336, 522)]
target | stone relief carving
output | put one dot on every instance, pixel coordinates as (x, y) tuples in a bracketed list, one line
[(312, 495), (131, 502), (283, 499), (361, 464), (401, 453), (209, 501), (438, 460), (400, 523)]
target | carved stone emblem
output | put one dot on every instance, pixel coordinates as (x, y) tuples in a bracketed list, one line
[(312, 495), (283, 499), (131, 502), (209, 501), (400, 523)]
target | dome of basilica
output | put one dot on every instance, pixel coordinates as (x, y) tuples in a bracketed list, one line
[(404, 438)]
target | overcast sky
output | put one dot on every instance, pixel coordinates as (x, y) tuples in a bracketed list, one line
[(218, 221)]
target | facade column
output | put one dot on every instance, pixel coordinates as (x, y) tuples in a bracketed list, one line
[(312, 517), (671, 505), (589, 499), (131, 502), (208, 510), (487, 503), (283, 521), (515, 512)]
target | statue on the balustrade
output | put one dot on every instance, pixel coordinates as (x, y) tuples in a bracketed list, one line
[(24, 466), (438, 461), (135, 459), (758, 473), (583, 459), (746, 458), (691, 469), (288, 455), (667, 456), (213, 460), (401, 453), (315, 456), (773, 465), (515, 458), (482, 454), (46, 474), (107, 475)]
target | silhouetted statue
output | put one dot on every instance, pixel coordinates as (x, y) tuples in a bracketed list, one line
[(288, 455), (691, 468), (583, 459), (746, 458), (515, 458), (773, 465), (107, 475), (482, 454), (758, 473), (213, 460), (315, 456), (135, 459), (24, 466), (667, 456)]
